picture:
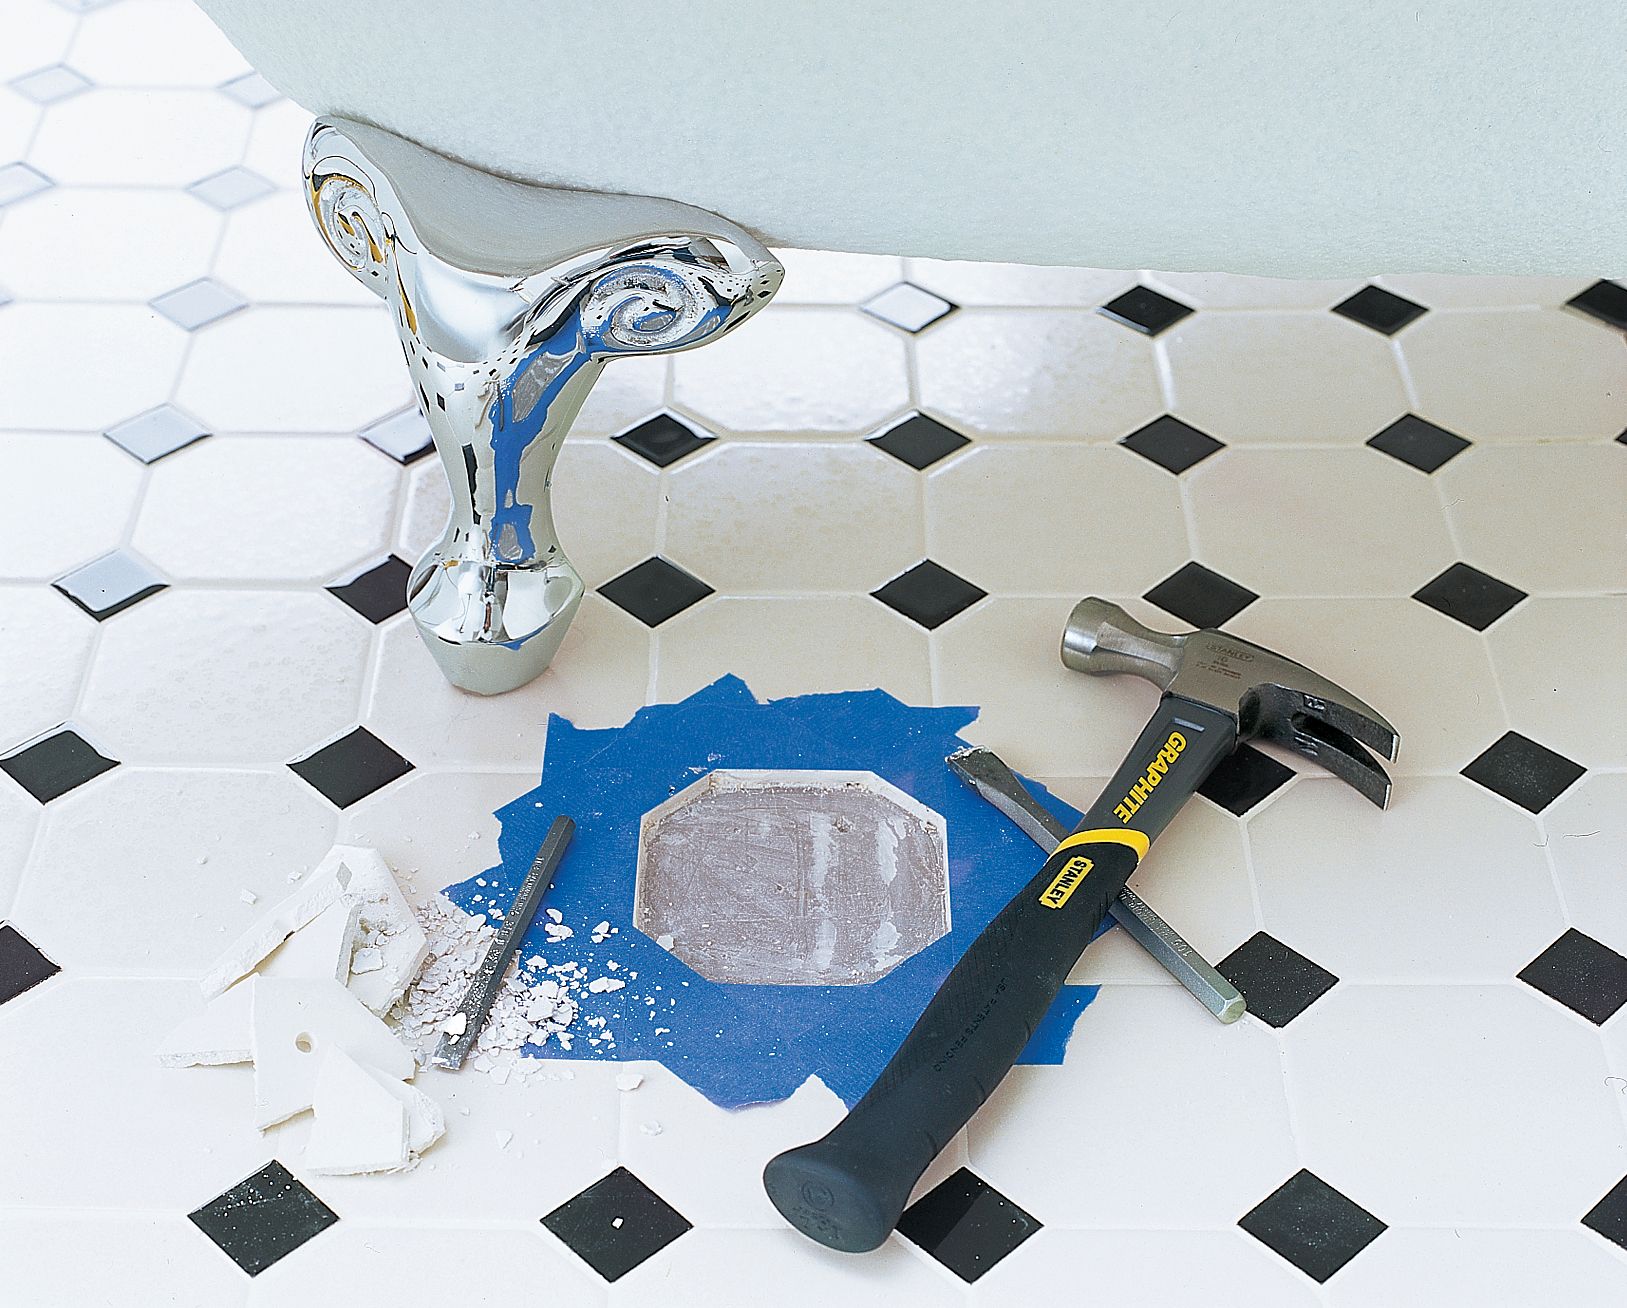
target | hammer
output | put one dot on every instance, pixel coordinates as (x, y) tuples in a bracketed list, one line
[(849, 1189)]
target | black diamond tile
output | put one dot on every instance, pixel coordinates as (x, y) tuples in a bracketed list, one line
[(1172, 444), (1472, 597), (251, 91), (263, 1218), (1382, 310), (929, 594), (51, 85), (1609, 1216), (655, 590), (1277, 982), (966, 1224), (1531, 775), (110, 584), (378, 591), (18, 181), (1622, 439), (1243, 779), (616, 1223), (1586, 976), (231, 187), (1312, 1225), (1418, 443), (1606, 301), (1145, 310), (662, 440), (157, 433), (908, 307), (22, 966), (54, 764), (1199, 596), (352, 767), (919, 441), (403, 436), (199, 303)]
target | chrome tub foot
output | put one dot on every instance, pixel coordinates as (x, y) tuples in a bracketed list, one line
[(509, 299)]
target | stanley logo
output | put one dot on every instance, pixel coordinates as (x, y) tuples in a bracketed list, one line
[(1063, 884), (1125, 809)]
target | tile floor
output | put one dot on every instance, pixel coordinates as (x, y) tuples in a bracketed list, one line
[(1416, 484)]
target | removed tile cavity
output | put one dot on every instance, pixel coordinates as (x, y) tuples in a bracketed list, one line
[(760, 877)]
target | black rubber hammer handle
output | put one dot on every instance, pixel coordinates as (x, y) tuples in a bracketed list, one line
[(849, 1189)]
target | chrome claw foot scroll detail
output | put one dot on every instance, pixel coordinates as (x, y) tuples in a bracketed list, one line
[(509, 299)]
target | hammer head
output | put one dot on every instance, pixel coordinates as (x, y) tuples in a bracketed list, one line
[(1271, 696)]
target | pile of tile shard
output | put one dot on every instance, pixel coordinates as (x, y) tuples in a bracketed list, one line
[(536, 1004), (301, 994)]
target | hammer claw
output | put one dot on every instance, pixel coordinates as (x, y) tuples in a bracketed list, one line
[(1340, 753), (1315, 697)]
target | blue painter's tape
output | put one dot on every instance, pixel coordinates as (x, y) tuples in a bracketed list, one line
[(744, 1044)]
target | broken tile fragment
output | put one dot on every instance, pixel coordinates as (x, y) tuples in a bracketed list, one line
[(320, 949), (360, 1126), (219, 1035), (295, 1024), (272, 927), (389, 926), (426, 1123)]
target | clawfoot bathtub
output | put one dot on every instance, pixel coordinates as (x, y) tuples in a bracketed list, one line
[(1358, 137)]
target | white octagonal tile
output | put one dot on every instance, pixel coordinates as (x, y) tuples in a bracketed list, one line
[(41, 478), (145, 137), (1043, 373), (749, 517), (1058, 519), (123, 360), (796, 370), (789, 646), (1562, 664), (1543, 518), (296, 369), (1293, 378), (1045, 720), (300, 508), (1252, 510), (1205, 1100), (1518, 374), (112, 864), (597, 679), (1490, 1094), (127, 244), (1402, 895), (45, 645), (1588, 845), (226, 677)]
